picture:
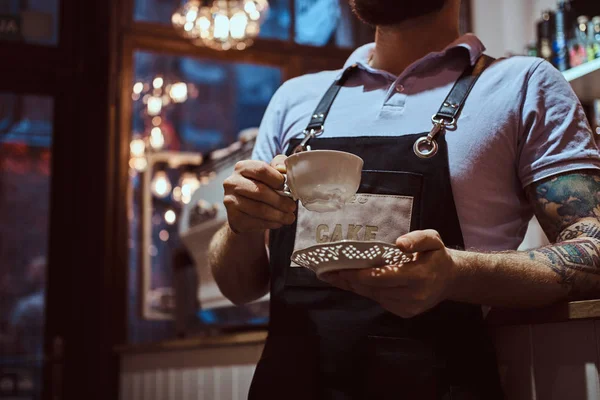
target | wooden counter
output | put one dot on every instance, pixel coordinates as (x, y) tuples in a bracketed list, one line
[(563, 312), (197, 342)]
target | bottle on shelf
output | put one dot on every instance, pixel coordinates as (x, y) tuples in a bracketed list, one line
[(560, 50), (595, 118), (594, 35), (578, 42), (545, 33)]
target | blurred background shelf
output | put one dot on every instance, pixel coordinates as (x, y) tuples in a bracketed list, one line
[(585, 80)]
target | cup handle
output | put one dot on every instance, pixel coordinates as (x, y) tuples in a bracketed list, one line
[(286, 189)]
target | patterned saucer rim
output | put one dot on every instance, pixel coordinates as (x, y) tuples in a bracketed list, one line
[(327, 267), (344, 242)]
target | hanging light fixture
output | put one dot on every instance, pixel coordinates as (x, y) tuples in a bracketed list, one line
[(257, 9), (221, 24), (184, 19)]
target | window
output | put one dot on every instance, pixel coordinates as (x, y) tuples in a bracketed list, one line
[(186, 101), (182, 107), (222, 99), (32, 21), (25, 141), (324, 22), (318, 22)]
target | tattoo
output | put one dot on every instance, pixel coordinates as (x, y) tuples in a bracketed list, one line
[(563, 200), (587, 227), (577, 264)]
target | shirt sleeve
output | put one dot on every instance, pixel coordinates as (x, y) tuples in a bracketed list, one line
[(267, 144), (555, 136)]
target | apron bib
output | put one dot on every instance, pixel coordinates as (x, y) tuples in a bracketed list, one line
[(326, 343)]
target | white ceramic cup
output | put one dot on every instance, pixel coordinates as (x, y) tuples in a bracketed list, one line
[(323, 180)]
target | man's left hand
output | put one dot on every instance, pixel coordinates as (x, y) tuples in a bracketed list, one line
[(410, 289)]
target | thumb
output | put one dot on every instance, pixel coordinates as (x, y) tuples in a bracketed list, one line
[(279, 163), (420, 241)]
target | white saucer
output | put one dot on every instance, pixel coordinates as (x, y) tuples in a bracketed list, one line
[(349, 254)]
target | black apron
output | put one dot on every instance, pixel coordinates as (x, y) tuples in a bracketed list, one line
[(326, 343)]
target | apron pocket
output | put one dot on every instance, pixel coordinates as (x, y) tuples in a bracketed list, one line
[(388, 205)]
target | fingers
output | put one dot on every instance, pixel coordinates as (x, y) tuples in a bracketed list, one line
[(246, 223), (260, 171), (258, 191), (259, 210), (383, 277), (420, 241), (279, 163)]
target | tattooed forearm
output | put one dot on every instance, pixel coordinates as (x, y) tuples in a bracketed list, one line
[(587, 227), (577, 265)]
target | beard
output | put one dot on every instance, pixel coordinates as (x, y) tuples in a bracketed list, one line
[(393, 12)]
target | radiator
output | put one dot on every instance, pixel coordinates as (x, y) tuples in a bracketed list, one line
[(217, 383)]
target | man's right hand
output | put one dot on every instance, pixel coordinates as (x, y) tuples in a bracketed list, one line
[(251, 200)]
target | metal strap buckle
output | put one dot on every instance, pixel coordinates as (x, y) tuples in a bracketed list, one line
[(437, 119), (426, 146), (308, 135)]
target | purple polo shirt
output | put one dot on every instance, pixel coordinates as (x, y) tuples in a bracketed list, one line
[(521, 123)]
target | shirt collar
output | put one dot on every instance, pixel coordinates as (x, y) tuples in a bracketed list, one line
[(469, 41)]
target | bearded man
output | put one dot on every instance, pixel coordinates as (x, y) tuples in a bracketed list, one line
[(508, 140)]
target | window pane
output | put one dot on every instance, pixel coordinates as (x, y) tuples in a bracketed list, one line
[(182, 107), (32, 21), (324, 22), (25, 140), (276, 26)]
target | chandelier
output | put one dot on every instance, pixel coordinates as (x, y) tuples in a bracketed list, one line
[(221, 24)]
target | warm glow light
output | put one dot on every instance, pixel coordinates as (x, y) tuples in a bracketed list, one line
[(157, 140), (203, 23), (161, 185), (137, 147), (191, 15), (138, 87), (250, 7), (189, 183), (179, 92), (177, 19), (170, 217), (221, 27), (156, 121), (154, 105), (238, 24), (158, 82), (138, 163), (163, 235), (221, 24), (176, 193)]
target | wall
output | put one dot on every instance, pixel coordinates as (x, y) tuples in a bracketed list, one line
[(507, 26)]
